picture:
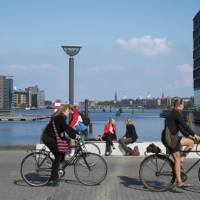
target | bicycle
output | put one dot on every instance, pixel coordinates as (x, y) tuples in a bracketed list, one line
[(157, 171), (89, 168)]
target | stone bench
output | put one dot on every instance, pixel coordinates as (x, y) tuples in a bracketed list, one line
[(119, 152)]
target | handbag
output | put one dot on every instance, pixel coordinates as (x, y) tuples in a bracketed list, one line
[(62, 145), (170, 139), (135, 151)]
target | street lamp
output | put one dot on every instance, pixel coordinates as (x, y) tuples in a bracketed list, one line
[(71, 51)]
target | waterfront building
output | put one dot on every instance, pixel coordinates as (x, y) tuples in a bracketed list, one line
[(6, 93), (36, 97), (20, 98), (41, 99), (196, 58)]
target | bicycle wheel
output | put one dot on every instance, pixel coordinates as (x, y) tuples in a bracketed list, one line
[(90, 169), (156, 173), (198, 148), (92, 147), (36, 168)]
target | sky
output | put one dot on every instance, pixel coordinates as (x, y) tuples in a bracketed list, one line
[(137, 48)]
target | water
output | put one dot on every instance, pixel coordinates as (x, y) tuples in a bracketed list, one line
[(148, 125)]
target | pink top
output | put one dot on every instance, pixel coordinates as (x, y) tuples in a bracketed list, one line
[(107, 130)]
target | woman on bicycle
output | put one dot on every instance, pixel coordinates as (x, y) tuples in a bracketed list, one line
[(54, 137), (176, 123)]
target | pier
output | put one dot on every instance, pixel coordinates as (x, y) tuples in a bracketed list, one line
[(23, 117)]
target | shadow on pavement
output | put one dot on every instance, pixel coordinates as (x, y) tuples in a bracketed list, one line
[(195, 189), (72, 182), (21, 183), (136, 184)]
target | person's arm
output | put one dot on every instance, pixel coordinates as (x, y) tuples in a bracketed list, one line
[(70, 131), (183, 127)]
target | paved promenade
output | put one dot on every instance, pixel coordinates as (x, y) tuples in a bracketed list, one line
[(122, 183)]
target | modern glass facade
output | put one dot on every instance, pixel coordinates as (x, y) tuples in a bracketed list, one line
[(196, 58), (6, 93)]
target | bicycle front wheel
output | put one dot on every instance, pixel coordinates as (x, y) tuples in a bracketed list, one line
[(92, 147), (90, 169), (156, 173), (36, 168)]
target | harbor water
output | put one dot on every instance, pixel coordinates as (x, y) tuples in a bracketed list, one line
[(148, 125)]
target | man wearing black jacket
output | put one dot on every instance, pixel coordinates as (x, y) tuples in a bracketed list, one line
[(129, 137)]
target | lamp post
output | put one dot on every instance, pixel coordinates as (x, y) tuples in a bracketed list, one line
[(71, 51)]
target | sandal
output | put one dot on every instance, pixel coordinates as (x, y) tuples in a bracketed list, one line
[(182, 185)]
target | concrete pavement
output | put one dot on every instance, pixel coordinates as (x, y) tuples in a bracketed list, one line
[(122, 183)]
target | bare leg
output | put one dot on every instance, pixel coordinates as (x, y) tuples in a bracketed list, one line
[(177, 167), (188, 143)]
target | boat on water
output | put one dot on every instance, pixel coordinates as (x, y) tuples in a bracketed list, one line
[(29, 108)]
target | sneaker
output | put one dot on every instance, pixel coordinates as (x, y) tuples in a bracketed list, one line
[(113, 147)]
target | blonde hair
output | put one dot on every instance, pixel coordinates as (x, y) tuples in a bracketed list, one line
[(178, 102), (129, 121), (62, 109), (190, 119)]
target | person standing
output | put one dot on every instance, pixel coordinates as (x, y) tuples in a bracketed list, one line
[(129, 137), (54, 137), (110, 134)]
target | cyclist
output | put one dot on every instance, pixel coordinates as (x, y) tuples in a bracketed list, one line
[(176, 123), (55, 140)]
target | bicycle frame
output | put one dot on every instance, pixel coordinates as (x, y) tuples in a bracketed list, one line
[(194, 164)]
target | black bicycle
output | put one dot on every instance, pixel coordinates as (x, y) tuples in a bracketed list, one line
[(157, 171), (89, 168)]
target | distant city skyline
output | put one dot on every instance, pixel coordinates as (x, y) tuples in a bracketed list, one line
[(134, 48)]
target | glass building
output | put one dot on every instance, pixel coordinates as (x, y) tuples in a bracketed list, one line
[(6, 93), (196, 58)]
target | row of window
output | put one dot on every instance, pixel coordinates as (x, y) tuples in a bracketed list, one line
[(196, 53), (197, 84), (196, 43), (197, 97), (196, 32), (196, 63)]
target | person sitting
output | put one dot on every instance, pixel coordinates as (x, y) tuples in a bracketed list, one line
[(129, 137), (109, 135)]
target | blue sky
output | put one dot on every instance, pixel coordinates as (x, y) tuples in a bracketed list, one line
[(134, 47)]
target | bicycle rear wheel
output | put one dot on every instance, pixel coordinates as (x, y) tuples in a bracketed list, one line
[(156, 173), (36, 168), (90, 169)]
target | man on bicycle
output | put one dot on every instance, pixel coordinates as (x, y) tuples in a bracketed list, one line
[(176, 123)]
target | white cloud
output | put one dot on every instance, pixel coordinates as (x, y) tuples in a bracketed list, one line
[(146, 45), (109, 68), (185, 73)]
